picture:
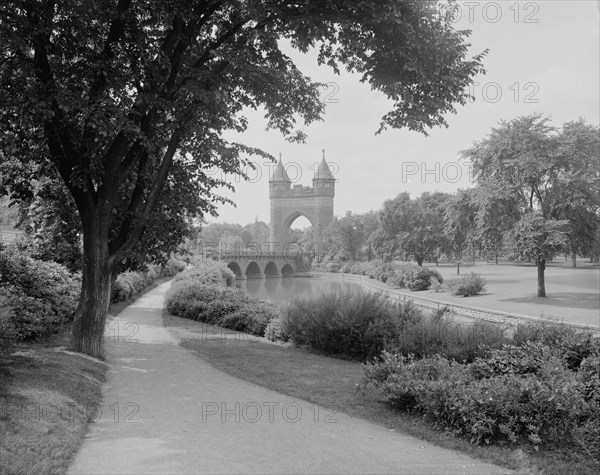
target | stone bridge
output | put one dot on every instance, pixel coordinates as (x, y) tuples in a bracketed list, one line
[(263, 265), (287, 204)]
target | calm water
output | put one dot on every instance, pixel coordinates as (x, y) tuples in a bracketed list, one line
[(284, 290)]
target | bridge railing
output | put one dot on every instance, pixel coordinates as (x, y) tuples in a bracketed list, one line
[(291, 256)]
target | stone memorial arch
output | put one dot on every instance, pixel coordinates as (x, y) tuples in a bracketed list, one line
[(290, 202)]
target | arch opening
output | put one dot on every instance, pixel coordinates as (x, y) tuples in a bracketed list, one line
[(287, 270), (271, 270), (236, 269), (300, 233), (253, 271)]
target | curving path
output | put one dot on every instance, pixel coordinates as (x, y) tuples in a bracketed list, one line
[(166, 411)]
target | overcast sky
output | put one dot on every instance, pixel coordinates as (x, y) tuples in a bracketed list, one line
[(543, 57)]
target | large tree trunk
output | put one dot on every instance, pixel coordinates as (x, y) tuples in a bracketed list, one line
[(419, 259), (541, 284), (88, 326), (573, 258)]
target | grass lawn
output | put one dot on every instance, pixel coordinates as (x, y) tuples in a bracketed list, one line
[(331, 382), (48, 396)]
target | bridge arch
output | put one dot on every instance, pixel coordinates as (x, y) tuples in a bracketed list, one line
[(253, 270), (287, 270), (236, 269), (271, 270)]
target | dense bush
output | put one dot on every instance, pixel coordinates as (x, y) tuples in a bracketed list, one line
[(130, 283), (352, 324), (394, 275), (438, 333), (520, 393), (8, 330), (199, 294), (467, 285), (207, 272), (420, 278), (327, 264), (275, 332), (38, 296)]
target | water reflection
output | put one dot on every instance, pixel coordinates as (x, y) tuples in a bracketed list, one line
[(283, 290)]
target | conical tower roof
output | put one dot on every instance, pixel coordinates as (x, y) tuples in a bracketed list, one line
[(279, 173), (323, 172)]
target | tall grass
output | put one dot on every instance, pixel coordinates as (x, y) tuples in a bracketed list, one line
[(360, 325), (438, 333), (354, 325)]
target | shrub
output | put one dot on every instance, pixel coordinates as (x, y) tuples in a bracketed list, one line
[(38, 296), (436, 285), (130, 283), (359, 268), (172, 267), (438, 333), (520, 393), (350, 324), (207, 272), (274, 330), (199, 294), (510, 359), (401, 378), (571, 345), (251, 318), (419, 278), (333, 267), (396, 281), (8, 330), (345, 267), (121, 290), (468, 285)]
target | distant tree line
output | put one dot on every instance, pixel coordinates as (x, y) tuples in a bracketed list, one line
[(536, 196)]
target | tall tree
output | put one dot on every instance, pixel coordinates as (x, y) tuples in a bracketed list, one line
[(576, 191), (258, 233), (350, 233), (497, 212), (460, 223), (414, 226), (128, 100), (211, 235), (538, 239), (534, 178)]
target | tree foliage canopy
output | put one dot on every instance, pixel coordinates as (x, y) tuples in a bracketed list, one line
[(414, 226), (109, 91), (127, 101)]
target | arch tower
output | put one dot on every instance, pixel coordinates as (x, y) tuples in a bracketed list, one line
[(290, 202)]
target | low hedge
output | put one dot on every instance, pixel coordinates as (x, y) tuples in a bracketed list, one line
[(395, 275), (207, 272), (130, 283), (200, 294)]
